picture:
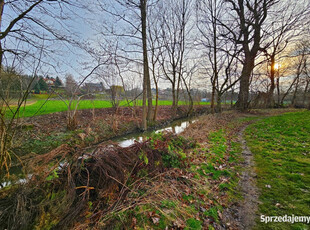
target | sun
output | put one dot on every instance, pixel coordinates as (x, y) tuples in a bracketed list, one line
[(277, 66)]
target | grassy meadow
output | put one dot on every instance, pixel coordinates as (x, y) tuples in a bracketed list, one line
[(281, 148), (43, 106)]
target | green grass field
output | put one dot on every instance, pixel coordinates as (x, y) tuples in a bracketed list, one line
[(51, 106), (281, 148)]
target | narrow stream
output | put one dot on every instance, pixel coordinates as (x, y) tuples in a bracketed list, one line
[(176, 127)]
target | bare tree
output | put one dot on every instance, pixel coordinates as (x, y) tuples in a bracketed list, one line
[(208, 13), (298, 60), (187, 79), (220, 53), (30, 27), (73, 89), (147, 93), (284, 25), (244, 27), (301, 68), (306, 83), (155, 51), (135, 19), (174, 20)]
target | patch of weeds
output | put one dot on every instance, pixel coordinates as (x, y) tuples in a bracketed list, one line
[(43, 145), (53, 175), (212, 212), (210, 170), (188, 198), (218, 143), (90, 139), (224, 186), (168, 204), (193, 224), (143, 157), (174, 155), (171, 160), (141, 192), (142, 173)]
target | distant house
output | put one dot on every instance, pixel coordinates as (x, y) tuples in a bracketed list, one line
[(94, 87), (49, 81)]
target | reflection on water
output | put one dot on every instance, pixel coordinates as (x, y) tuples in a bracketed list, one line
[(176, 127)]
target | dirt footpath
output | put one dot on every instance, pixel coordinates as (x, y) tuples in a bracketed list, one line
[(242, 215), (248, 207)]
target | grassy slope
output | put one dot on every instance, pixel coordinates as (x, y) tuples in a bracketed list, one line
[(200, 205), (281, 147), (45, 107)]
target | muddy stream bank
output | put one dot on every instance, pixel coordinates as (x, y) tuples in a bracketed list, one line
[(176, 126)]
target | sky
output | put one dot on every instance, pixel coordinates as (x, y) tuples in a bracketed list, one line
[(67, 58), (82, 24)]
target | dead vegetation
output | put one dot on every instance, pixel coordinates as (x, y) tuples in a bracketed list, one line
[(69, 186), (92, 117)]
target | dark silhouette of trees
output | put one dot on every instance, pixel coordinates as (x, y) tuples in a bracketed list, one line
[(42, 84), (285, 25), (245, 28)]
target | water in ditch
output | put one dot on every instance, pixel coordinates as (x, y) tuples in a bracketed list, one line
[(176, 127)]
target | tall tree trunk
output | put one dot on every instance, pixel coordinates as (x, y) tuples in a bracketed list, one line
[(243, 96), (1, 50), (213, 97), (149, 99), (156, 88), (278, 89), (293, 102), (146, 113), (174, 100), (178, 91), (219, 102), (173, 94), (156, 100), (305, 93), (191, 102), (270, 99), (232, 98), (215, 75)]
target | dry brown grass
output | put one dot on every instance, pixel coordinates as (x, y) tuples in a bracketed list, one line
[(209, 123), (63, 183), (206, 124)]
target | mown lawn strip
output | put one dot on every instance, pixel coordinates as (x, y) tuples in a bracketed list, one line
[(281, 148)]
